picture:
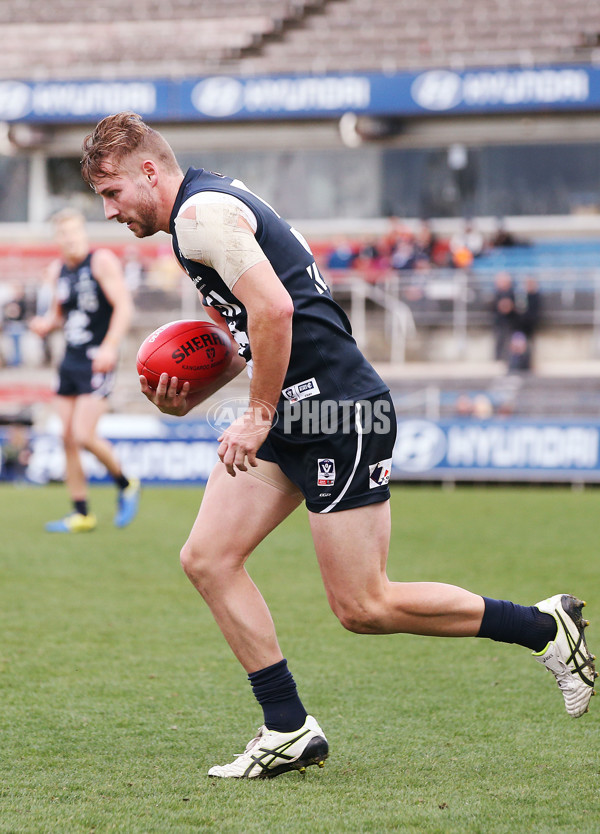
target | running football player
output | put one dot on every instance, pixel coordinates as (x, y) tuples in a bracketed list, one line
[(319, 428)]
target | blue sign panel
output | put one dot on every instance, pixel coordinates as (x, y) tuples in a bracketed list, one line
[(497, 450), (223, 98), (430, 450)]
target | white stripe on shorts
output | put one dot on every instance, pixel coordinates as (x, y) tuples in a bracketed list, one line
[(358, 427)]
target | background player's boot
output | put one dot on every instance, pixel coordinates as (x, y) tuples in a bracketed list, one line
[(73, 523), (567, 656), (271, 753), (128, 502)]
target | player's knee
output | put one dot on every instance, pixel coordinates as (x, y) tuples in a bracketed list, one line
[(358, 617), (82, 439), (195, 562), (189, 559)]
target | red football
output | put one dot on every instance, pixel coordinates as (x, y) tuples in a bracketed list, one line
[(194, 351)]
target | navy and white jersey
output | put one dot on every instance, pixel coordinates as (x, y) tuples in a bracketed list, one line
[(85, 307), (325, 360)]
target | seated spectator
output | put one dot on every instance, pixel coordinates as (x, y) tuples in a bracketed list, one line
[(441, 255), (482, 407), (371, 260), (342, 256), (425, 241), (403, 253), (463, 407), (470, 239), (462, 257), (502, 237)]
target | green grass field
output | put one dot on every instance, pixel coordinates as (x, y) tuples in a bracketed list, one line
[(117, 691)]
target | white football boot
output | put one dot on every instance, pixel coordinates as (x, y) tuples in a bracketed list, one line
[(567, 656), (271, 753)]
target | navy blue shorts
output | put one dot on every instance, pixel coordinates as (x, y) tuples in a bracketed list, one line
[(75, 377), (339, 455)]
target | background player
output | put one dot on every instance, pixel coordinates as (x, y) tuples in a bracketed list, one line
[(93, 306), (258, 277)]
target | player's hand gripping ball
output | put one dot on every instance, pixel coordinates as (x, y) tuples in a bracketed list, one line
[(194, 351)]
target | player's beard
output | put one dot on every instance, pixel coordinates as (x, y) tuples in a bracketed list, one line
[(146, 223)]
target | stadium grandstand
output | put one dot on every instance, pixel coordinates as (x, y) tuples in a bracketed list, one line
[(423, 149)]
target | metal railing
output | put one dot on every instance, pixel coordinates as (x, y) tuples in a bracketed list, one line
[(459, 301)]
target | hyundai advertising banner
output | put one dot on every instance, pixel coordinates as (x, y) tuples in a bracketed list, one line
[(167, 452), (497, 450), (222, 97)]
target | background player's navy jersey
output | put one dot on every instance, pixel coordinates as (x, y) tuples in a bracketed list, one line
[(86, 309), (325, 360)]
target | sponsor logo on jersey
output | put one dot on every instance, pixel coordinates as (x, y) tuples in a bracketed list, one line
[(379, 473), (325, 472), (301, 390)]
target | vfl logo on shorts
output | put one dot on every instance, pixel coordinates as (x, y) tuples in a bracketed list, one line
[(325, 472), (379, 473), (302, 390)]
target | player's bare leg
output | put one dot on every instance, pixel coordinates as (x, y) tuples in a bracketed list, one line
[(352, 549), (88, 411), (80, 520), (235, 516), (75, 477)]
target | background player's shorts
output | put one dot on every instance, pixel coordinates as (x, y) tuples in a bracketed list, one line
[(338, 458), (75, 377)]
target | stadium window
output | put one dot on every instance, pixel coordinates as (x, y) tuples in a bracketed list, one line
[(14, 180), (66, 188), (304, 183), (495, 180)]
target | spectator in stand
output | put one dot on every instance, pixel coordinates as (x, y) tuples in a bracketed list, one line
[(505, 314), (15, 453), (466, 245), (13, 316), (463, 407), (482, 407), (371, 260), (441, 255), (519, 353), (403, 254), (502, 237), (343, 255), (530, 316), (425, 241), (462, 257)]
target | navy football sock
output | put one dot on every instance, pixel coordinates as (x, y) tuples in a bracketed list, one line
[(121, 481), (81, 507), (507, 622), (275, 690)]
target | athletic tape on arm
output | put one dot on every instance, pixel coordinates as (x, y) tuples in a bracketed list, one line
[(216, 239)]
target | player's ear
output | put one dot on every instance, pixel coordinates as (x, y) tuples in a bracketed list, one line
[(150, 171)]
